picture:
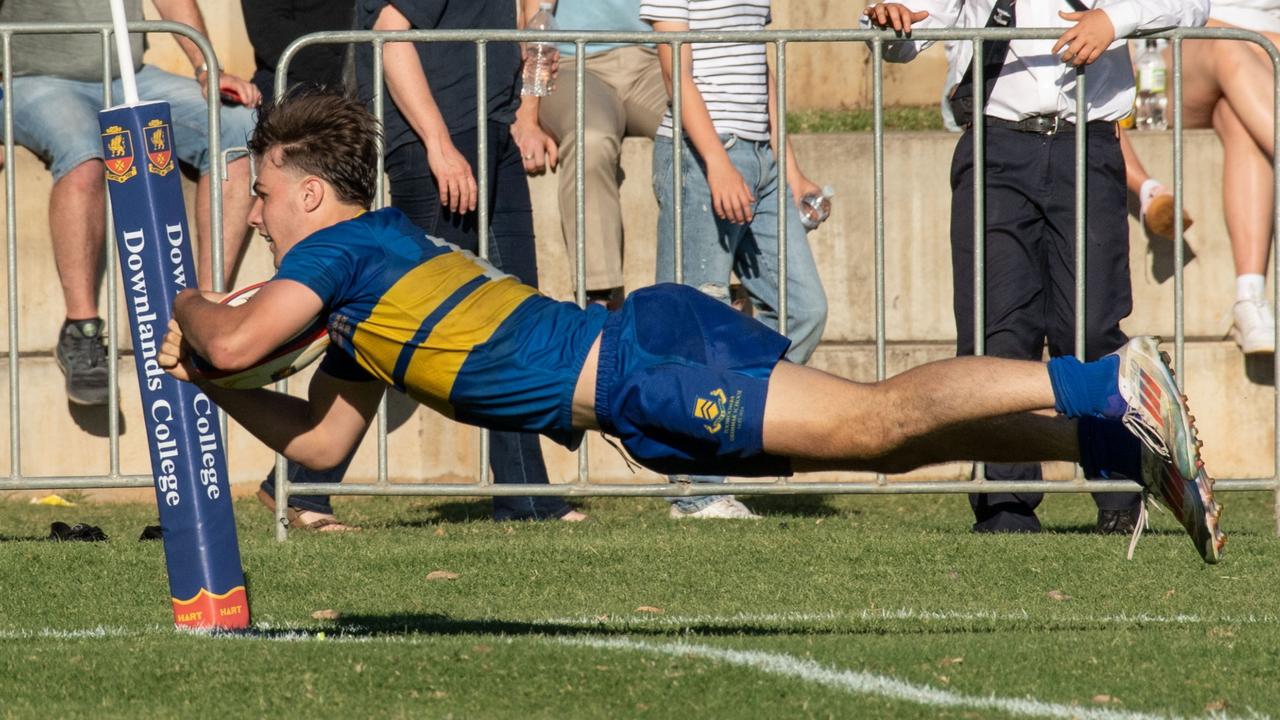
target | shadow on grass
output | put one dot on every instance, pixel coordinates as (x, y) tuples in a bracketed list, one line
[(795, 505), (405, 624)]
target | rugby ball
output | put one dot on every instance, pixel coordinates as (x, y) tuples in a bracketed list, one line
[(295, 354)]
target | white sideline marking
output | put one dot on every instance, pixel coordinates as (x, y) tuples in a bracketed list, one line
[(864, 683)]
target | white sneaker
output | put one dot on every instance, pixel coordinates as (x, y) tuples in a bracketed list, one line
[(726, 508), (1254, 326)]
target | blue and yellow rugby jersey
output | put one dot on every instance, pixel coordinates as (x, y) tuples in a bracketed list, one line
[(444, 326)]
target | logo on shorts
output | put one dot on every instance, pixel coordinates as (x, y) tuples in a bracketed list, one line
[(159, 148), (710, 410), (117, 148)]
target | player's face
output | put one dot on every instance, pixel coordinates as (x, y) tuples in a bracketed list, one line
[(278, 213)]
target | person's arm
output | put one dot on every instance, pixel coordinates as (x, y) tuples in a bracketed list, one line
[(317, 432), (538, 149), (188, 13), (409, 88), (1128, 16), (731, 198), (1096, 30), (797, 182), (902, 19), (236, 337)]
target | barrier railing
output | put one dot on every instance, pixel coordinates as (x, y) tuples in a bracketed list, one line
[(780, 39), (114, 478)]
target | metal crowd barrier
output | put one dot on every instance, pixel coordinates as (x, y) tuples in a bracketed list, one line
[(780, 39), (114, 478)]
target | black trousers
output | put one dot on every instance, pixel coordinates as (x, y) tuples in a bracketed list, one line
[(1030, 270)]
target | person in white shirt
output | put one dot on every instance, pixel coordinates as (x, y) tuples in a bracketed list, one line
[(1228, 85), (1031, 119)]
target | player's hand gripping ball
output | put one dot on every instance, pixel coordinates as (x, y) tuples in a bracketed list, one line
[(295, 354)]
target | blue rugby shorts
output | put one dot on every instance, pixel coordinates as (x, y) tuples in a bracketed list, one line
[(682, 382)]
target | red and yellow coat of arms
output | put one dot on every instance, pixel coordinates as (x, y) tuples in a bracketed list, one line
[(159, 143), (117, 151)]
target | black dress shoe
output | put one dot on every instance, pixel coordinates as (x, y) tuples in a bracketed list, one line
[(1116, 522)]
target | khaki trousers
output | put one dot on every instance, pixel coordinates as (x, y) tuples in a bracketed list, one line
[(625, 97)]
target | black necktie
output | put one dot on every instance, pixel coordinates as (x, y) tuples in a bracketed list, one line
[(1003, 15)]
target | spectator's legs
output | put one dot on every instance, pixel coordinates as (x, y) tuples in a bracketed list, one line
[(76, 207), (1014, 326), (1234, 70), (605, 123), (707, 251), (236, 201), (1247, 187), (638, 77), (756, 263), (58, 120), (1247, 204), (1108, 295)]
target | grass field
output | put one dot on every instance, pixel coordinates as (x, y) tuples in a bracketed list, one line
[(837, 607)]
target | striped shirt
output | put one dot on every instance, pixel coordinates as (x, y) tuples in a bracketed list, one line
[(731, 77)]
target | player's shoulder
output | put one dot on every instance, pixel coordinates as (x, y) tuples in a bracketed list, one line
[(368, 230)]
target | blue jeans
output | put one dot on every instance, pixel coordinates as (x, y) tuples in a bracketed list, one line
[(515, 457), (713, 248), (57, 119)]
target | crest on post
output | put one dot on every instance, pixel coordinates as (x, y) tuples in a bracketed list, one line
[(117, 152), (159, 144)]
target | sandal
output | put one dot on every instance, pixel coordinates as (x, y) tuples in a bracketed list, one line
[(306, 519)]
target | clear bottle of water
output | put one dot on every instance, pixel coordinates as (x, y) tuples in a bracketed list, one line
[(1151, 103), (540, 56), (816, 207)]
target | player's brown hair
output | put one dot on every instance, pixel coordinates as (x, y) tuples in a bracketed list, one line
[(325, 134)]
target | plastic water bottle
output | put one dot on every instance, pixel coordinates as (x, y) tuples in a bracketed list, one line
[(816, 207), (540, 56), (1151, 103)]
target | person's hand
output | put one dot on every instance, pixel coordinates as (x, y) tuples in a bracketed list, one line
[(730, 196), (175, 356), (454, 181), (538, 150), (799, 185), (1085, 41), (245, 92), (894, 15)]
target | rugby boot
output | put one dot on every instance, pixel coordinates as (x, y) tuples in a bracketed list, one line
[(1156, 413)]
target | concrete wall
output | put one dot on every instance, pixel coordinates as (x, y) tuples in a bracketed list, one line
[(1232, 398), (820, 75)]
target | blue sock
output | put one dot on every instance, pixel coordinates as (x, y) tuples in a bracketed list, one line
[(1081, 389), (1107, 449)]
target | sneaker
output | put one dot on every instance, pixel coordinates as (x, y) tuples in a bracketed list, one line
[(1157, 415), (1157, 218), (726, 508), (1254, 327), (82, 357)]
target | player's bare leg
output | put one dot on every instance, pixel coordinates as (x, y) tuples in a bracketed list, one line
[(811, 415)]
